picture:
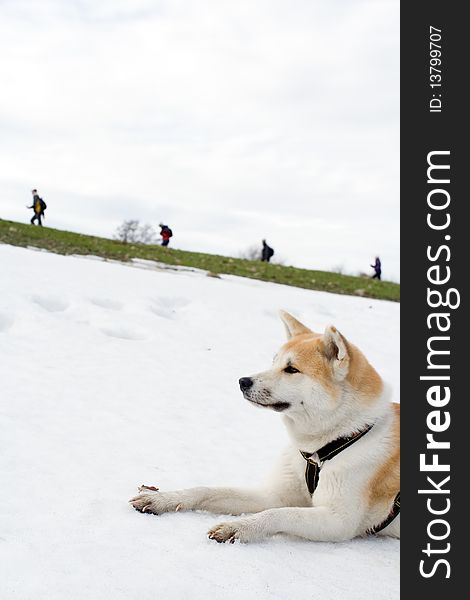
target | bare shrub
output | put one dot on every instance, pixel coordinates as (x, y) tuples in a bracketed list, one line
[(338, 269), (251, 253), (132, 232)]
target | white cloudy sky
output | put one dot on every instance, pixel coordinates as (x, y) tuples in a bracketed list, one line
[(232, 120)]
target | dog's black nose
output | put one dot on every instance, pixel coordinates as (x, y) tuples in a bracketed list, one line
[(245, 383)]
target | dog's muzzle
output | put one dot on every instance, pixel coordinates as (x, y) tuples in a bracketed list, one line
[(262, 397)]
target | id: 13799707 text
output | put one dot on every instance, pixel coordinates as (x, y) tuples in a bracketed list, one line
[(435, 70)]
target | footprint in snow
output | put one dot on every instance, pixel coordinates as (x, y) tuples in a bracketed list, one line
[(106, 303), (6, 321), (271, 312), (166, 306), (123, 333), (51, 303)]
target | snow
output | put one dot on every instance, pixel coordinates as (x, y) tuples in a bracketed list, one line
[(113, 376)]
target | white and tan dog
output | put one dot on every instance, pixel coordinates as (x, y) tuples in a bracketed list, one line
[(329, 395)]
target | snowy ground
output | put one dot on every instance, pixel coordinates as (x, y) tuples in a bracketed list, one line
[(113, 376)]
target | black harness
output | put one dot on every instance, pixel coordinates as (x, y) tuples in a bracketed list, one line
[(313, 468)]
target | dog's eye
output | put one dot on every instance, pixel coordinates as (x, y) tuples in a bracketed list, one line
[(291, 369)]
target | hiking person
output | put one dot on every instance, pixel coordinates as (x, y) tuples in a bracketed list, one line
[(166, 234), (377, 268), (266, 252), (39, 206)]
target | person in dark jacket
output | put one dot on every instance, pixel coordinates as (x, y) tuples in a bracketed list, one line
[(266, 252), (377, 268), (39, 206), (166, 234)]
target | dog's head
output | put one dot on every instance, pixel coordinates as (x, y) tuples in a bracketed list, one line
[(313, 374)]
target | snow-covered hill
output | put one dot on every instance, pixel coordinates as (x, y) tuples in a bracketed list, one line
[(113, 376)]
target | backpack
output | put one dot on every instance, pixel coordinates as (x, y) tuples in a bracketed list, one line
[(270, 252), (43, 204), (170, 233)]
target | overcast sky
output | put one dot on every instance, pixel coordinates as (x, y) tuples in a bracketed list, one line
[(232, 120)]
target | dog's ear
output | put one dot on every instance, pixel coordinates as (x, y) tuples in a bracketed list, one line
[(337, 351), (293, 327)]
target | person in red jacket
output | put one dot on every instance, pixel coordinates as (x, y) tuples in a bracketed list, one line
[(166, 234)]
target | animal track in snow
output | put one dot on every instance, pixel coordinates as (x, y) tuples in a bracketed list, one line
[(51, 303), (124, 333), (106, 303), (321, 310), (166, 306), (271, 312), (6, 321)]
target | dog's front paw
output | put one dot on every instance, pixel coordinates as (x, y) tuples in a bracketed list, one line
[(234, 530), (224, 532), (152, 501)]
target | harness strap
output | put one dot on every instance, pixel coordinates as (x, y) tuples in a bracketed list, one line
[(312, 473), (312, 469)]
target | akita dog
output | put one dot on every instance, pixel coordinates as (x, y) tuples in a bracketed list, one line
[(340, 476)]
